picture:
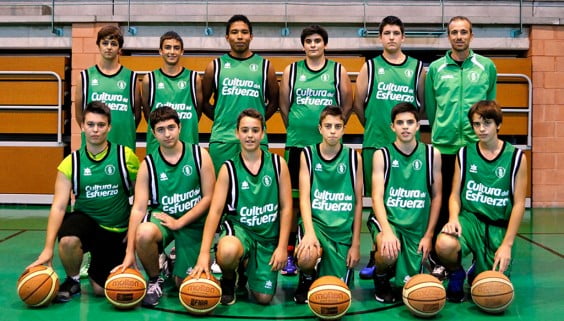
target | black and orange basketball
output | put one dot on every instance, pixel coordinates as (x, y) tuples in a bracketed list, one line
[(424, 295), (125, 289), (492, 291), (38, 286), (329, 297), (200, 296)]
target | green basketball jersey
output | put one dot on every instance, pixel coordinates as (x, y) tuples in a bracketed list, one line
[(175, 188), (487, 186), (178, 92), (408, 181), (253, 201), (333, 191), (310, 92), (117, 91), (102, 188), (239, 84), (388, 85)]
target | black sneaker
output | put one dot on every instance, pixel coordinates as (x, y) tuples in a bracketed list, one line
[(228, 296), (300, 296), (154, 293), (242, 282), (384, 292), (67, 290)]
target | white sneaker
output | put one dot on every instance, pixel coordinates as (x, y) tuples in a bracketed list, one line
[(215, 268)]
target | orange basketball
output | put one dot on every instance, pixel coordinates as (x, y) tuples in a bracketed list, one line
[(200, 296), (38, 286), (125, 289), (492, 291), (329, 297), (424, 295)]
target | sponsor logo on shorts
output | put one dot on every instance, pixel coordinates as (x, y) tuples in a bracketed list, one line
[(268, 284)]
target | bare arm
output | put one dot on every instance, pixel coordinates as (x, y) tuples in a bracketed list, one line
[(144, 93), (454, 204), (361, 90), (354, 252), (279, 256), (78, 101), (137, 104), (421, 89), (56, 214), (346, 93), (271, 93), (207, 91), (502, 256), (284, 100), (199, 96), (309, 240)]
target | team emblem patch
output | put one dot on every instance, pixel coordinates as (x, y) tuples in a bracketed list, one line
[(266, 180), (187, 170), (253, 67), (109, 170), (121, 84), (500, 172), (181, 84), (341, 168), (408, 73), (325, 77), (473, 76), (417, 164)]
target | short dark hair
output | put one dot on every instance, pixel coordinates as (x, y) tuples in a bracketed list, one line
[(97, 107), (111, 32), (235, 18), (253, 113), (404, 107), (171, 35), (488, 109), (315, 29), (163, 113), (331, 110), (459, 18), (391, 20)]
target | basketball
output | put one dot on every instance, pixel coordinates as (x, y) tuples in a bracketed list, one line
[(329, 297), (200, 296), (38, 286), (424, 295), (125, 289), (492, 291)]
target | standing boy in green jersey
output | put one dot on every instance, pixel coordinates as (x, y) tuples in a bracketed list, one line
[(177, 181), (384, 81), (453, 84), (254, 187), (307, 87), (237, 80), (406, 199), (113, 84), (174, 86), (330, 206), (486, 204), (100, 176)]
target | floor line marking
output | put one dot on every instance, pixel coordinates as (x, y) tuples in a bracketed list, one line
[(541, 246), (13, 235)]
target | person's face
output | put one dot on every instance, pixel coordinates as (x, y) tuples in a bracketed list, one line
[(459, 35), (95, 128), (314, 46), (485, 129), (167, 133), (250, 133), (171, 51), (109, 48), (332, 129), (405, 126), (239, 37), (391, 38)]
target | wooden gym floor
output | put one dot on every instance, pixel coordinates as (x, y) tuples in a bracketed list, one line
[(538, 278)]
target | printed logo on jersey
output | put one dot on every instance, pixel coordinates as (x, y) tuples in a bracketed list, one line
[(447, 77), (266, 180), (331, 202), (160, 85), (473, 168), (473, 76), (259, 215), (406, 198), (110, 170), (342, 168), (87, 172), (182, 84), (318, 167), (253, 67), (94, 82), (325, 77), (417, 164), (163, 177), (178, 203), (268, 284), (106, 190), (227, 65), (381, 71), (500, 172), (491, 196), (240, 87), (244, 185), (395, 163), (187, 170), (394, 92), (121, 84), (408, 73), (303, 78)]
